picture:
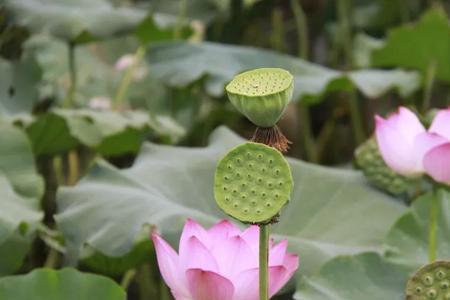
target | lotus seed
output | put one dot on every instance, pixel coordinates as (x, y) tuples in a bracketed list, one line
[(419, 290), (431, 294), (445, 285), (440, 274), (428, 280)]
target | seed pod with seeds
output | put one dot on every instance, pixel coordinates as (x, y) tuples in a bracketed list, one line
[(252, 183), (262, 96), (431, 282)]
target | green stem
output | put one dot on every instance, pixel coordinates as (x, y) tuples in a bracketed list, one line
[(182, 12), (302, 29), (344, 12), (308, 138), (303, 110), (128, 77), (277, 30), (264, 262), (52, 260), (70, 98), (432, 233), (127, 278), (429, 82), (147, 287)]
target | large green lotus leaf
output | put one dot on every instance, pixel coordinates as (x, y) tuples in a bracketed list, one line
[(75, 20), (110, 133), (67, 284), (179, 63), (18, 84), (407, 241), (374, 277), (419, 46), (332, 211), (365, 276), (22, 189)]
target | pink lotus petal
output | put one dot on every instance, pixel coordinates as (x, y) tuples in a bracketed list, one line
[(396, 136), (277, 253), (195, 255), (206, 285), (124, 62), (169, 266), (192, 228), (437, 163), (423, 143), (441, 123), (222, 230), (251, 236), (233, 255), (247, 285)]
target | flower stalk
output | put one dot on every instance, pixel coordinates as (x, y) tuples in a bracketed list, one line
[(264, 261)]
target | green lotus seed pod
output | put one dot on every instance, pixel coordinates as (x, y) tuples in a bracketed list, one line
[(431, 282), (261, 94), (252, 183), (369, 159)]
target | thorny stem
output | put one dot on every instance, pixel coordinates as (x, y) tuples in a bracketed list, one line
[(264, 261), (429, 82), (127, 278), (345, 27), (128, 77), (432, 231), (303, 110), (70, 98)]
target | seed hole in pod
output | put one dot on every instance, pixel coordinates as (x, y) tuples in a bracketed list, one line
[(259, 180), (238, 160), (243, 197), (280, 183), (227, 199), (245, 210), (230, 167), (263, 194), (243, 185), (236, 205), (249, 176), (445, 285), (277, 172), (258, 211), (268, 204), (250, 165), (249, 155), (270, 184), (225, 188), (253, 202), (419, 290), (234, 191), (277, 196), (238, 174), (431, 294), (428, 280), (253, 192), (226, 177), (260, 156), (440, 274), (263, 170), (270, 161)]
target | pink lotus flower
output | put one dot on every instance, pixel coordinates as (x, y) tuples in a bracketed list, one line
[(409, 149), (221, 263)]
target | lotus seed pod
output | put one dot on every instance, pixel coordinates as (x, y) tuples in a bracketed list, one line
[(431, 282), (252, 183), (261, 94), (369, 159)]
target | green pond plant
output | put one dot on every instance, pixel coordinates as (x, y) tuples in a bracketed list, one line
[(253, 181)]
